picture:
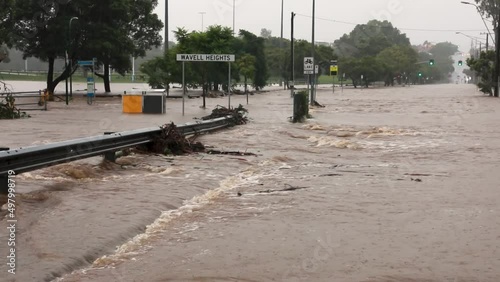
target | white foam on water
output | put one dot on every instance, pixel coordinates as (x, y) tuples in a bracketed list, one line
[(30, 176), (140, 243), (327, 141)]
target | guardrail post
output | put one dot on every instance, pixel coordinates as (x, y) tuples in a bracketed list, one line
[(111, 155), (44, 99), (4, 184)]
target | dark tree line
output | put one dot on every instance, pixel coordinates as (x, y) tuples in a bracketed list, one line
[(112, 31)]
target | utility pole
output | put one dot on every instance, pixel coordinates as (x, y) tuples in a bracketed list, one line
[(292, 69), (487, 39), (497, 54), (234, 17), (313, 82), (165, 49), (166, 27), (202, 21), (281, 44)]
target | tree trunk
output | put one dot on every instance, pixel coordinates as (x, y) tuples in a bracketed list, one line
[(246, 91), (246, 84), (107, 86), (105, 77), (50, 77), (205, 90), (51, 82)]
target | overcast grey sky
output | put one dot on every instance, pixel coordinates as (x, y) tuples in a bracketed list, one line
[(416, 18)]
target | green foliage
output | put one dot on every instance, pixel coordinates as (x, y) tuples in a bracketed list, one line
[(246, 66), (156, 70), (248, 48), (370, 39), (489, 9), (253, 45), (396, 61), (110, 30), (442, 54), (8, 108), (484, 67), (4, 54), (375, 51), (362, 71)]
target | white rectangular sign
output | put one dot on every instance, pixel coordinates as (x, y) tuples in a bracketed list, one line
[(308, 64), (205, 58)]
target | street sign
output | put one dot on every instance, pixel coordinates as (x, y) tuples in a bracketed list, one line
[(316, 69), (308, 65), (205, 58), (86, 63), (334, 70)]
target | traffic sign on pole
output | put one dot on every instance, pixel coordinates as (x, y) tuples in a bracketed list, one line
[(308, 65)]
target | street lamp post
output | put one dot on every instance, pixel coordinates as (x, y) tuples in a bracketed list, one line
[(281, 43), (497, 56), (202, 23), (313, 81), (234, 16), (70, 59), (166, 27), (292, 59), (479, 11), (487, 39)]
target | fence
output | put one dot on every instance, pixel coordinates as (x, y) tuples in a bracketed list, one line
[(27, 101)]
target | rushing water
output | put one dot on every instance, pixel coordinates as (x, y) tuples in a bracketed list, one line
[(390, 184)]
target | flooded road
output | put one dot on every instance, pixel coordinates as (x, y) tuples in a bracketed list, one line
[(396, 184)]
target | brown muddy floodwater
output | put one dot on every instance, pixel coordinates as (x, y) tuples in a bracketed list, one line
[(396, 184)]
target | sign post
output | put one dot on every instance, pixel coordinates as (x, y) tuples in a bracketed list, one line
[(308, 65), (205, 58), (309, 70), (90, 80), (334, 69)]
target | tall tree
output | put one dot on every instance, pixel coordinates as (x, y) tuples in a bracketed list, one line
[(397, 61), (254, 46), (4, 54), (483, 66), (40, 29), (114, 31), (444, 64), (490, 9), (246, 66), (370, 39), (111, 31), (277, 52), (6, 23)]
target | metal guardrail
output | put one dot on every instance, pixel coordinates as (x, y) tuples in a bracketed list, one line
[(37, 157)]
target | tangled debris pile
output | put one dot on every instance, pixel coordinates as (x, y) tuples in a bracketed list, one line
[(172, 142), (238, 114), (8, 109)]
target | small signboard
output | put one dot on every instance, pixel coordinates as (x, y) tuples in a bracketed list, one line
[(205, 58), (308, 65), (334, 70), (90, 87), (85, 63)]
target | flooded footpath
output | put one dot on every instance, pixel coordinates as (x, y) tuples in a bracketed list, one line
[(390, 184)]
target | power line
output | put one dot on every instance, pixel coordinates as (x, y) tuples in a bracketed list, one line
[(408, 29)]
